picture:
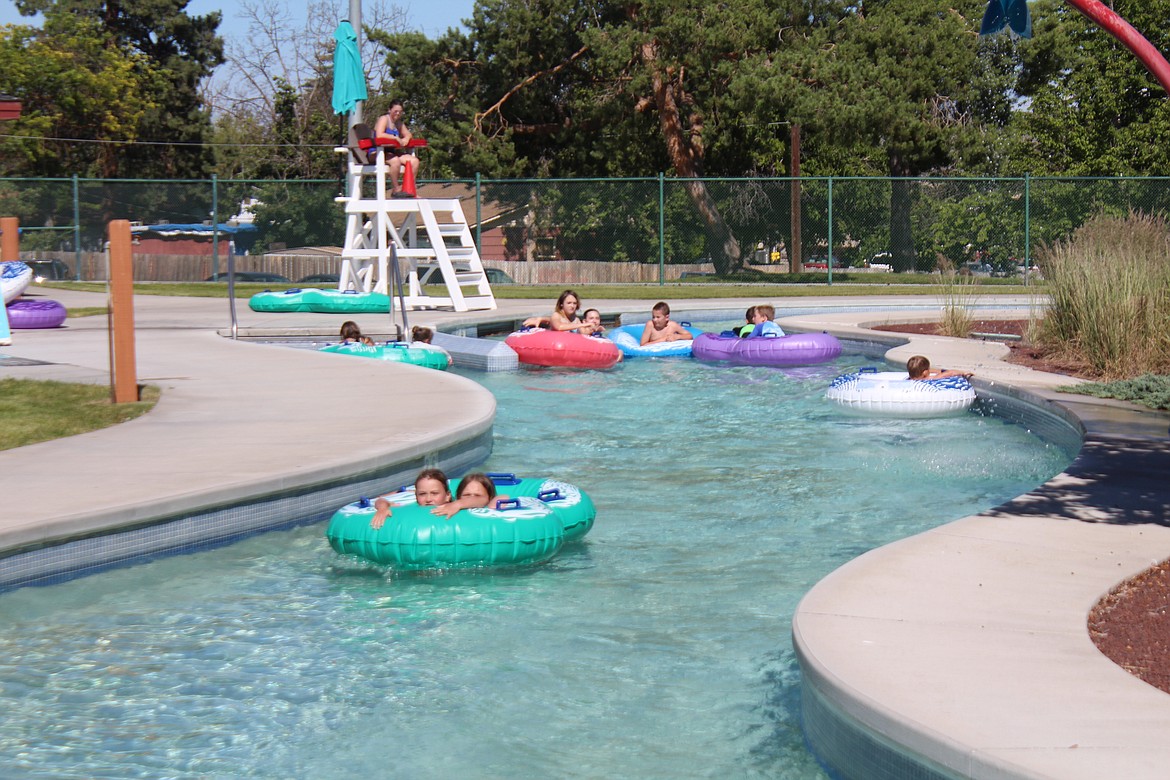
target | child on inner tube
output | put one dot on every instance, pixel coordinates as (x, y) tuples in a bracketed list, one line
[(564, 316), (431, 488), (918, 367)]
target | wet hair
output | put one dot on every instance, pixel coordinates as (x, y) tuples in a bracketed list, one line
[(767, 310), (564, 295), (350, 331), (917, 366), (751, 312), (478, 478), (434, 474), (587, 312), (421, 333), (661, 306)]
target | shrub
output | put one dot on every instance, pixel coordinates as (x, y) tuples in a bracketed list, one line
[(1109, 288)]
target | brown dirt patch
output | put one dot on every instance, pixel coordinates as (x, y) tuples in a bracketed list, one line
[(1131, 625)]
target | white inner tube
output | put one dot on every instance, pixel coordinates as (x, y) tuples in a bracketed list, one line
[(894, 394)]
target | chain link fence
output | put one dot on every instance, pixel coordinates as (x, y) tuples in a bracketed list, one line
[(578, 231)]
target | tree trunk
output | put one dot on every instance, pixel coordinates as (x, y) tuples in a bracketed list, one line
[(901, 234), (686, 153)]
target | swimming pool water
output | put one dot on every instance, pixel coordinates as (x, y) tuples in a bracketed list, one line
[(659, 647)]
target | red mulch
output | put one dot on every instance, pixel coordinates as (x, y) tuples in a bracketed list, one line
[(1131, 625)]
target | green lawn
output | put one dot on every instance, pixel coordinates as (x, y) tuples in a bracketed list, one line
[(35, 411)]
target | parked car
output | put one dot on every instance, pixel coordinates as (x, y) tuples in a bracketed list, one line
[(434, 275), (320, 279), (50, 269), (250, 276)]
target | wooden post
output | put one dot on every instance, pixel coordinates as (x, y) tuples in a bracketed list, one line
[(123, 373), (9, 239)]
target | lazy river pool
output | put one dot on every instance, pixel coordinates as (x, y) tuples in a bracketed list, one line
[(659, 647)]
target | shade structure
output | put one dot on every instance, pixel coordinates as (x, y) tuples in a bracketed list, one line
[(349, 80)]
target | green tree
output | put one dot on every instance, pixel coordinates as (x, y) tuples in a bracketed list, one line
[(904, 84), (1092, 107), (175, 53)]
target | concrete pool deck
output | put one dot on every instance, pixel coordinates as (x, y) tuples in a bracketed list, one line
[(966, 645)]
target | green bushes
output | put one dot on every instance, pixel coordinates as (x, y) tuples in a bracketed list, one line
[(1109, 288)]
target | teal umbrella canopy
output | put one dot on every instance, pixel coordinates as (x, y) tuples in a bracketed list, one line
[(349, 80)]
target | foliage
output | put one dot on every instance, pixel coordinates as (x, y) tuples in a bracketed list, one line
[(36, 411), (166, 53), (1092, 107), (283, 216), (1109, 287), (1151, 390)]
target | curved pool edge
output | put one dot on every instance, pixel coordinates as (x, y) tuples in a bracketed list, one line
[(964, 651)]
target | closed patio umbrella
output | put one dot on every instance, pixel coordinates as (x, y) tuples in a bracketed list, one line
[(349, 80)]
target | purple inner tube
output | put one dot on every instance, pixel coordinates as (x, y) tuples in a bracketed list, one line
[(30, 315), (797, 349)]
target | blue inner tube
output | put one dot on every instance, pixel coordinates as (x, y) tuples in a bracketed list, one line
[(628, 338)]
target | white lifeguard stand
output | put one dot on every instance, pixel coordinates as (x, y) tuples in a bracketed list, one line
[(430, 235)]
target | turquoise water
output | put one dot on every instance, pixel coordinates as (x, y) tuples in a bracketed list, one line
[(659, 647)]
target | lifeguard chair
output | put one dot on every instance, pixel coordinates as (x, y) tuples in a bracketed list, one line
[(430, 234)]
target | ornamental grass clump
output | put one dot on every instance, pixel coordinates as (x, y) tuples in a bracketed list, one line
[(959, 295), (1109, 290)]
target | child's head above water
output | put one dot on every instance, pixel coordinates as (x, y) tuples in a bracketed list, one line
[(478, 487), (431, 488), (918, 366)]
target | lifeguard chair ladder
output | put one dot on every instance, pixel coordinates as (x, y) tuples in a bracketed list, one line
[(430, 234)]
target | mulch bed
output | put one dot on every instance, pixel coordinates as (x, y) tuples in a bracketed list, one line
[(1131, 625)]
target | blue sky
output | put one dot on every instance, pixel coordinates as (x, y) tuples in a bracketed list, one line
[(431, 17)]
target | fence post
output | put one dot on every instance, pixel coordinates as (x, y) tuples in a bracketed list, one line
[(77, 226), (1027, 224), (478, 216), (123, 375), (215, 224), (830, 231), (661, 229)]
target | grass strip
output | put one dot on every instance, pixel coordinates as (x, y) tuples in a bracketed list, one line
[(35, 411)]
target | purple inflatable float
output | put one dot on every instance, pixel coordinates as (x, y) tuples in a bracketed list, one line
[(30, 315), (796, 349)]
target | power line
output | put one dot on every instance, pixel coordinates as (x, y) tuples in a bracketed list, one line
[(165, 143)]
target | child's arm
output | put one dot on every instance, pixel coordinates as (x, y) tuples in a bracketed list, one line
[(646, 331), (946, 372), (379, 518)]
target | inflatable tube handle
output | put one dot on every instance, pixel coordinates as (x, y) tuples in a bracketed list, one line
[(364, 502), (503, 478), (554, 494), (867, 370), (290, 292), (507, 503)]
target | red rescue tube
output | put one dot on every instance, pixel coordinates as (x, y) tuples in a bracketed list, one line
[(563, 348)]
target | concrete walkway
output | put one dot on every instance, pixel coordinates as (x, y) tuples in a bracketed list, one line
[(966, 645)]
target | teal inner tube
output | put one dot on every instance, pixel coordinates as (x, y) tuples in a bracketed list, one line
[(396, 352), (571, 504), (323, 301), (521, 531)]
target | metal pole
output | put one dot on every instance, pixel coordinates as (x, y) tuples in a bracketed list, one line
[(396, 282), (355, 19), (661, 229), (830, 231), (478, 215), (77, 227), (794, 250), (1027, 223)]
